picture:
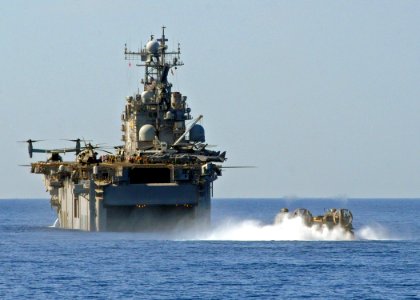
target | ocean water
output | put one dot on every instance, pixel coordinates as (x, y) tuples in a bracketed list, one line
[(243, 255)]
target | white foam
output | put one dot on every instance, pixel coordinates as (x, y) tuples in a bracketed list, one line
[(375, 232), (56, 224), (286, 230)]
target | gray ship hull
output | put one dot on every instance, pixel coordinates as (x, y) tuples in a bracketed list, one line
[(136, 207), (114, 204)]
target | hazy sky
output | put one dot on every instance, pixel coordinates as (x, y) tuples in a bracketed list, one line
[(322, 96)]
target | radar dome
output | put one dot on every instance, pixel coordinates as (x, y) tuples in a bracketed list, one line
[(197, 134), (147, 133), (147, 96), (152, 47)]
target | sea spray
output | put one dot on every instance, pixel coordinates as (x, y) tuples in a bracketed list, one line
[(288, 229), (56, 224), (284, 228), (375, 232)]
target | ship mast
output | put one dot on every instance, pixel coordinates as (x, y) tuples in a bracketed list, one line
[(155, 61), (157, 105)]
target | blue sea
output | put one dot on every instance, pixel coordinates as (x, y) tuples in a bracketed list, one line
[(243, 255)]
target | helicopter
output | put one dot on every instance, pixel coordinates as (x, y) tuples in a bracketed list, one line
[(88, 155), (85, 154)]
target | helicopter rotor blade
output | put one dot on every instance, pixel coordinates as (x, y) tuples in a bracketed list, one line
[(237, 167), (109, 152), (30, 141), (77, 141)]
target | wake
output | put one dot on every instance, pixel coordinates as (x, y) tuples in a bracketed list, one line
[(289, 229), (56, 224), (376, 233)]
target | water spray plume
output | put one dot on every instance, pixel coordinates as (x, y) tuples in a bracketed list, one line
[(283, 229)]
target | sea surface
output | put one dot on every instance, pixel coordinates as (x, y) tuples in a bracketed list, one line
[(243, 255)]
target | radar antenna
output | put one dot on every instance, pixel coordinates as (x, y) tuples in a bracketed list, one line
[(156, 59)]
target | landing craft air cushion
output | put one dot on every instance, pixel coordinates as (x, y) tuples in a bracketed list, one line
[(332, 218), (163, 174)]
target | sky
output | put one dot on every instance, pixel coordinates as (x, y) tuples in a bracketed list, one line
[(323, 97)]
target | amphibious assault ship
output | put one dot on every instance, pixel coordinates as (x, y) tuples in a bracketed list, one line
[(162, 175)]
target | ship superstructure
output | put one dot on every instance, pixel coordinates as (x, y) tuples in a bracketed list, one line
[(163, 173)]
